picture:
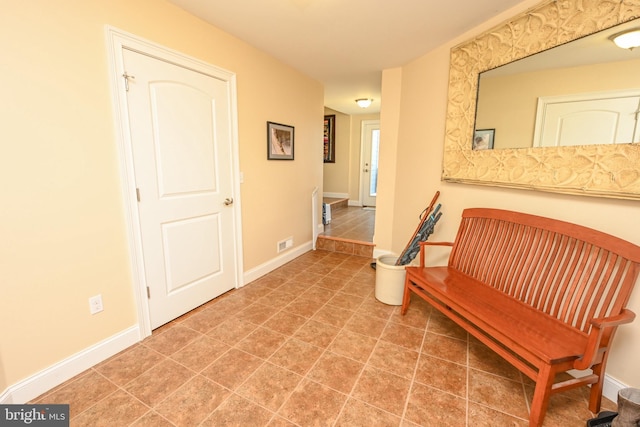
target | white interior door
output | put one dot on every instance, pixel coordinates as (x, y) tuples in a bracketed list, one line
[(370, 136), (580, 120), (182, 154)]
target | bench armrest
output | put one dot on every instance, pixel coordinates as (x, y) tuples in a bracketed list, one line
[(598, 327), (626, 316), (423, 250)]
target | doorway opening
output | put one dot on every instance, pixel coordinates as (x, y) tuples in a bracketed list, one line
[(370, 149)]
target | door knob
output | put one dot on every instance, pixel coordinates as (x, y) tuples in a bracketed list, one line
[(228, 201)]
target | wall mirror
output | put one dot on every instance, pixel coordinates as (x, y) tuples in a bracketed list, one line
[(594, 168)]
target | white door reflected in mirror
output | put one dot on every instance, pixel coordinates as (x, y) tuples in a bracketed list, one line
[(588, 119)]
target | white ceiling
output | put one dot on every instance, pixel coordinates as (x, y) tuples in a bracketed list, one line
[(345, 44)]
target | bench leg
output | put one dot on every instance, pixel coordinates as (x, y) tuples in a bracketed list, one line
[(541, 396), (406, 297), (595, 396)]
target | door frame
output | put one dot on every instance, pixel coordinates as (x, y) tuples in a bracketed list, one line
[(117, 41), (364, 125)]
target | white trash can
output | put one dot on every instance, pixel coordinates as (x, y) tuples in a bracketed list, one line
[(389, 280)]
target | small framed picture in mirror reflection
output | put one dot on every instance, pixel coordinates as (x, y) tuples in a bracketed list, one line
[(483, 139)]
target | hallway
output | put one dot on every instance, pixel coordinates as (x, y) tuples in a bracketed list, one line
[(352, 223), (350, 231)]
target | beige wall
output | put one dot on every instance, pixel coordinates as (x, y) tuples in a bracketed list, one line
[(343, 176), (391, 92), (63, 223), (420, 130), (336, 175), (508, 105)]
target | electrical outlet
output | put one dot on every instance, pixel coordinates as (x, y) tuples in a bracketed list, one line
[(95, 304)]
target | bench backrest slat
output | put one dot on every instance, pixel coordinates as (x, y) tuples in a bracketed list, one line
[(570, 272), (589, 267), (602, 273), (542, 252)]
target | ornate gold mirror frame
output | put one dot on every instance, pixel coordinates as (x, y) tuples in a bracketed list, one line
[(594, 170)]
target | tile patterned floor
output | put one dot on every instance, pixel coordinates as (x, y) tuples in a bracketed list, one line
[(309, 345)]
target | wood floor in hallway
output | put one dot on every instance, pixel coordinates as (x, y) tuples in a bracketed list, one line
[(351, 223)]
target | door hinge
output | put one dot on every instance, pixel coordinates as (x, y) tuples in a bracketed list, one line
[(138, 194), (148, 293), (126, 80)]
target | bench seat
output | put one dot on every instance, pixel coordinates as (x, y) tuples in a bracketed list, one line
[(507, 320)]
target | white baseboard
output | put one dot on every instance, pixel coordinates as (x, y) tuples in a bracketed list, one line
[(43, 381), (611, 387), (279, 261), (336, 195)]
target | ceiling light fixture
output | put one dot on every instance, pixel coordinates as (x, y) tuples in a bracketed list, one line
[(628, 40), (364, 102)]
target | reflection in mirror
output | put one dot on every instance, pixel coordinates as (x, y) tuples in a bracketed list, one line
[(580, 93)]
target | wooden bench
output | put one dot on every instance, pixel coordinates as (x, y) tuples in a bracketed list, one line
[(544, 294)]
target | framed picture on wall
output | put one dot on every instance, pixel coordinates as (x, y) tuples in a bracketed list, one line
[(280, 141), (329, 143), (483, 139)]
